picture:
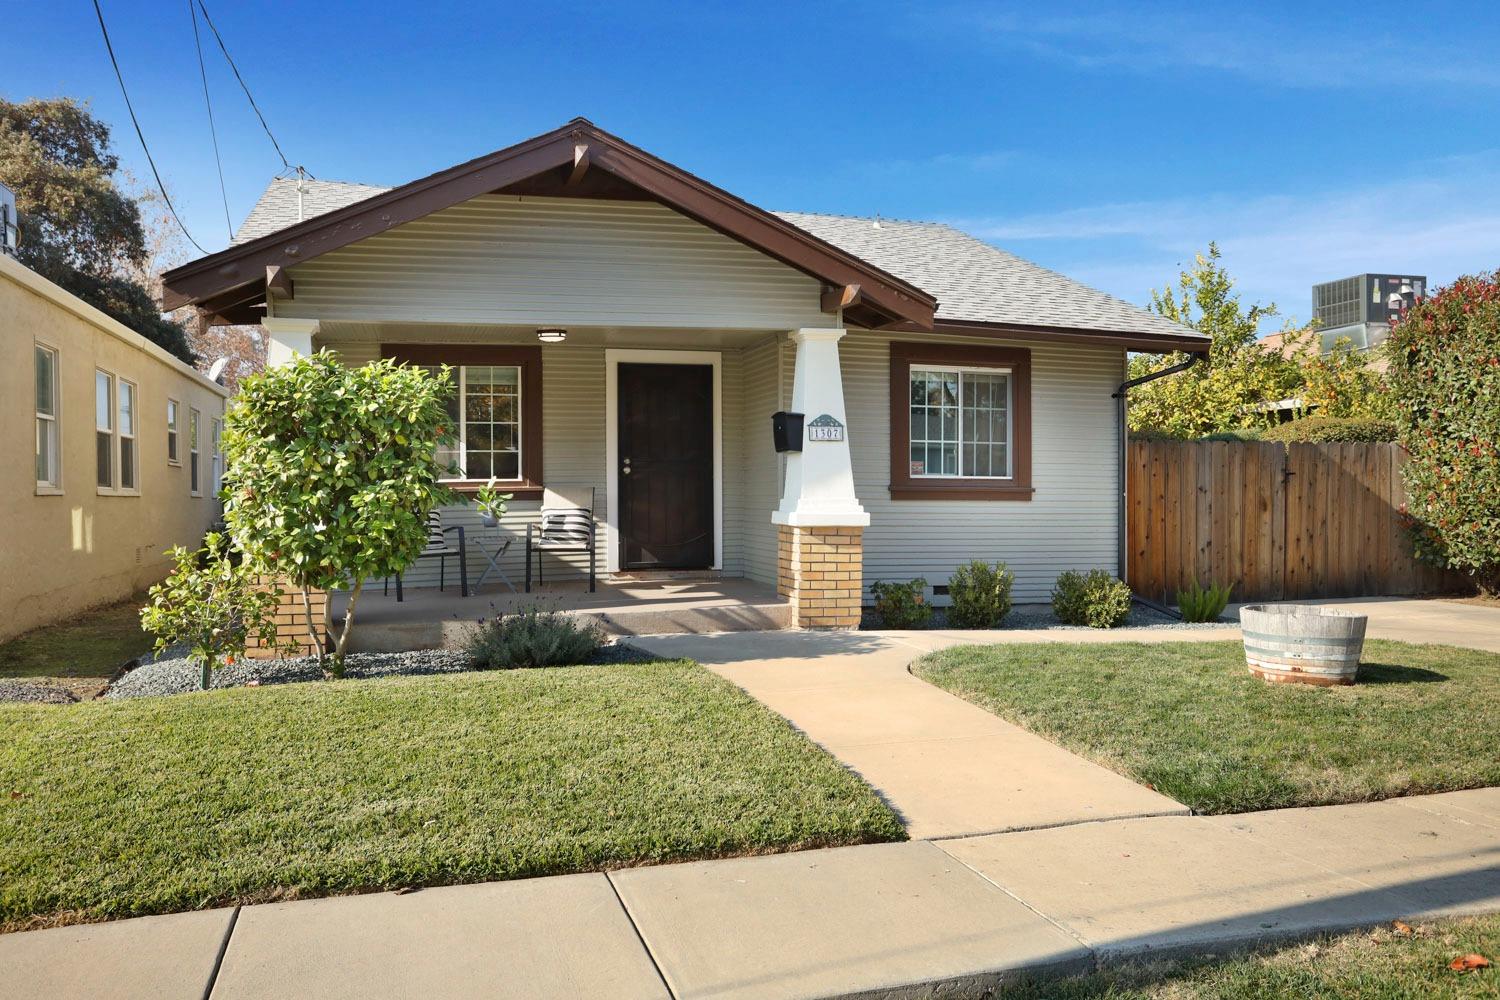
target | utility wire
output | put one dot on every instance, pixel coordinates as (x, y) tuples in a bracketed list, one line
[(243, 86), (212, 131), (138, 133)]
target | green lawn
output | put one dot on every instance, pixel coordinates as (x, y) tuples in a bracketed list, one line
[(113, 809), (93, 644), (1378, 965), (1188, 719)]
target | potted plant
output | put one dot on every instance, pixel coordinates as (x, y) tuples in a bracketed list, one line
[(492, 505)]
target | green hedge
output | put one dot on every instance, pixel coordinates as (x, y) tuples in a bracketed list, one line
[(1331, 430)]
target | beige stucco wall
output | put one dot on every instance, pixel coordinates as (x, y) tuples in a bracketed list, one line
[(60, 554)]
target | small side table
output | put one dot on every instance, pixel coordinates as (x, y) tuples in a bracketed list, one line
[(494, 559)]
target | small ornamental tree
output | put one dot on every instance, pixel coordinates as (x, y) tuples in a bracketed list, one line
[(211, 603), (331, 473), (1444, 377)]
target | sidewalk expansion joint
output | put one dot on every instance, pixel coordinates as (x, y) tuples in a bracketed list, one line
[(639, 936), (213, 975)]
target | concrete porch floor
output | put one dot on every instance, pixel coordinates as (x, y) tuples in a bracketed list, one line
[(429, 618)]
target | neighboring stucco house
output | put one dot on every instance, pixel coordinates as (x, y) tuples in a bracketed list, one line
[(123, 440), (975, 388)]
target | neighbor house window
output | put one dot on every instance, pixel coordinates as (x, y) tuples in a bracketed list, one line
[(495, 409), (194, 484), (172, 433), (104, 429), (47, 471), (125, 427), (216, 433), (960, 422)]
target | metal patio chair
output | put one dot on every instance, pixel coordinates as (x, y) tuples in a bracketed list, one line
[(438, 547), (565, 526)]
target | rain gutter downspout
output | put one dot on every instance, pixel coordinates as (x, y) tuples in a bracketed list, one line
[(1122, 403)]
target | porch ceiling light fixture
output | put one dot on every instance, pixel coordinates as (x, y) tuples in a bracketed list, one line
[(551, 334)]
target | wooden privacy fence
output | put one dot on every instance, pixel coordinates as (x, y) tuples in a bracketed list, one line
[(1276, 521)]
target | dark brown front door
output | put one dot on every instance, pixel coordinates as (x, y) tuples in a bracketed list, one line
[(666, 472)]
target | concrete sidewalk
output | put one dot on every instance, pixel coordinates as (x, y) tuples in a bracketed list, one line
[(951, 769), (892, 919)]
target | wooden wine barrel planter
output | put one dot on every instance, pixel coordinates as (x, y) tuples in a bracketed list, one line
[(1302, 644)]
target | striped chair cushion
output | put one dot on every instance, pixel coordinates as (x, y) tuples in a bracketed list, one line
[(562, 528), (436, 540)]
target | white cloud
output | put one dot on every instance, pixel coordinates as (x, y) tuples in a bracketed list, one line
[(1443, 223), (1292, 52)]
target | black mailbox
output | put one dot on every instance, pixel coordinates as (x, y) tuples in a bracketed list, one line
[(786, 430)]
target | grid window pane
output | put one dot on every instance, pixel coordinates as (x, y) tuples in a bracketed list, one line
[(959, 423), (491, 430), (127, 463), (171, 430), (46, 451), (103, 416), (127, 408), (104, 446)]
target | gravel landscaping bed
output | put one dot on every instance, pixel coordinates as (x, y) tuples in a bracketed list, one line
[(41, 694), (1033, 616), (180, 676)]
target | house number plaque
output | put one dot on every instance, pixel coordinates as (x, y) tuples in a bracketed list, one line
[(825, 428)]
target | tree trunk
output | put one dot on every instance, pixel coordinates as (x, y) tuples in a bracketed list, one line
[(208, 669), (312, 629), (343, 639)]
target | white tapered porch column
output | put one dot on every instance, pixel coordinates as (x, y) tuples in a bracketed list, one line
[(820, 535)]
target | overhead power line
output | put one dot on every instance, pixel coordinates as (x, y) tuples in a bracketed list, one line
[(243, 86), (138, 133), (212, 131)]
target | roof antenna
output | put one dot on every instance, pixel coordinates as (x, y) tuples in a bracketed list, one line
[(301, 184), (876, 223)]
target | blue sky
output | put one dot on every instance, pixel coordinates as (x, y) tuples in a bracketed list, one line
[(1108, 141)]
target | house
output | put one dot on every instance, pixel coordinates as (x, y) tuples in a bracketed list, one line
[(624, 330), (124, 441)]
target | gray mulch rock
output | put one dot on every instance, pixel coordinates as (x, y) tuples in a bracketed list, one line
[(180, 676), (1041, 616), (41, 694)]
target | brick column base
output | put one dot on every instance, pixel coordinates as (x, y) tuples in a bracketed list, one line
[(821, 570), (291, 622)]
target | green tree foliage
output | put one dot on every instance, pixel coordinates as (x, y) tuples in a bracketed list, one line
[(1222, 393), (1341, 383), (331, 473), (1444, 377), (78, 228), (211, 603)]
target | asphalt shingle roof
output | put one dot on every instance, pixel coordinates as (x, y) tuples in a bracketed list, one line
[(971, 279)]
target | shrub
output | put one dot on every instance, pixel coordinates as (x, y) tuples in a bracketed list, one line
[(902, 605), (1240, 434), (533, 638), (210, 601), (1331, 430), (980, 594), (1444, 379), (1200, 604), (332, 472), (1095, 599)]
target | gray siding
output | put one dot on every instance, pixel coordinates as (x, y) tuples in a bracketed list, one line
[(763, 367), (502, 259), (1070, 522)]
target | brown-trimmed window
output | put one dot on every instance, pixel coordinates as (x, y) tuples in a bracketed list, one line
[(960, 422), (496, 411)]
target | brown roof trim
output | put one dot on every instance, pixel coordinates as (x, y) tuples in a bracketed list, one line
[(885, 297), (1149, 342)]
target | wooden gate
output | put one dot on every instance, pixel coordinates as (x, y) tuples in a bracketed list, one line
[(1276, 521)]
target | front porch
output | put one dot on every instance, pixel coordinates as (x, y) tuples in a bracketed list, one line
[(432, 619)]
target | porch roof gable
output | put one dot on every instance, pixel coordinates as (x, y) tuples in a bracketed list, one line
[(578, 158)]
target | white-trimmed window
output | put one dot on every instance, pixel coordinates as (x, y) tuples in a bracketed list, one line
[(960, 423), (216, 434), (172, 456), (128, 395), (195, 485), (486, 410), (104, 429), (48, 469)]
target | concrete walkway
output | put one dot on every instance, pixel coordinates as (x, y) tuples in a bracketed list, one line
[(951, 769), (890, 920)]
